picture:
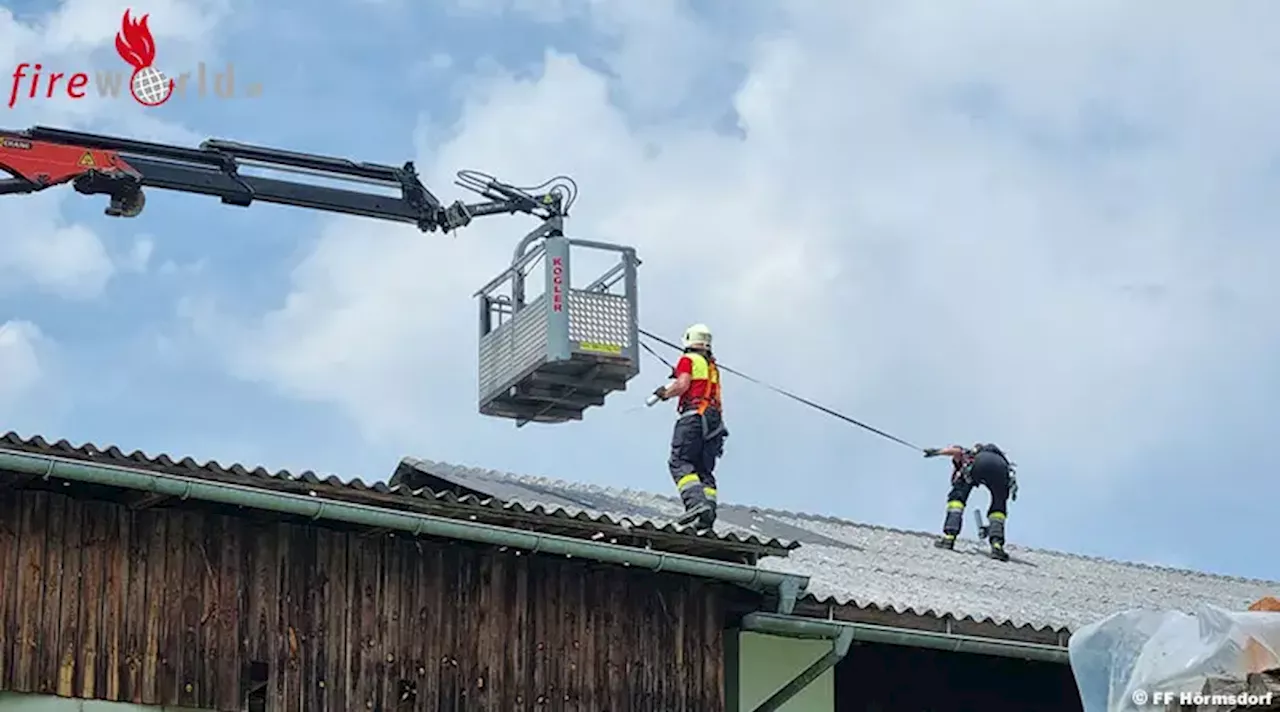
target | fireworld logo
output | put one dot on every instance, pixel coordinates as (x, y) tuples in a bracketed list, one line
[(148, 85)]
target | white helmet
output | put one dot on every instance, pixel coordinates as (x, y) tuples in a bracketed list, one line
[(697, 336)]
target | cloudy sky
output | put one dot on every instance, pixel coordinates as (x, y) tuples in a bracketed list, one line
[(1048, 225)]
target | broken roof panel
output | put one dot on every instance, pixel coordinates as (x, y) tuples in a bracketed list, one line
[(554, 498)]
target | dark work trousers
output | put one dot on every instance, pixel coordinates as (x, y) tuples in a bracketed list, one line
[(992, 471), (697, 441)]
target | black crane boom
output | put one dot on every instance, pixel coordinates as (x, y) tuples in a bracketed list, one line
[(120, 168)]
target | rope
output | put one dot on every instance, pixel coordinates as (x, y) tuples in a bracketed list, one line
[(780, 391)]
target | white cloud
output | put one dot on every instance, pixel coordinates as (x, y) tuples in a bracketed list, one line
[(1081, 262), (138, 258), (38, 248), (21, 344)]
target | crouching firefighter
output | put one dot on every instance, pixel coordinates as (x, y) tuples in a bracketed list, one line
[(697, 440), (983, 464)]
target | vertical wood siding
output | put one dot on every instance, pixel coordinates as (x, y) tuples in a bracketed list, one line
[(172, 607)]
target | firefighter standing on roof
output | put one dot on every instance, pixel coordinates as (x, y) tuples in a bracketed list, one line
[(983, 464), (697, 440)]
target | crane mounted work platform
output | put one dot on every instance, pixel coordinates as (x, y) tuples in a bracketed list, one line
[(542, 360)]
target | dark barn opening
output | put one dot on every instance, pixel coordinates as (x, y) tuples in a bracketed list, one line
[(893, 678)]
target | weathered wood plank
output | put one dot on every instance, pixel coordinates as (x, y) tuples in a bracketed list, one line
[(211, 547), (69, 611), (448, 624), (388, 653), (337, 613), (578, 663), (115, 580), (540, 620), (518, 645), (491, 637), (692, 651), (410, 640), (610, 669), (34, 518), (299, 572), (468, 614), (195, 569), (10, 526), (427, 583), (712, 652), (260, 560), (367, 582), (661, 641), (586, 635), (633, 631), (158, 591), (52, 623), (673, 666), (316, 668), (169, 680), (225, 625), (278, 645), (406, 627), (646, 633), (93, 600), (136, 593), (558, 622)]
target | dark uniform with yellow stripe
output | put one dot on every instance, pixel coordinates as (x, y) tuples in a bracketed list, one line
[(697, 441), (986, 465)]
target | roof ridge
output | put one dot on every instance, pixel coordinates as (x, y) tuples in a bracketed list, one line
[(831, 519), (15, 438)]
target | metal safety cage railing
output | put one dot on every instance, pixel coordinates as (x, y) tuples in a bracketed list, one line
[(548, 359)]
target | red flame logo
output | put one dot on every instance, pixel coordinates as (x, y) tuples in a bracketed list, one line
[(134, 42)]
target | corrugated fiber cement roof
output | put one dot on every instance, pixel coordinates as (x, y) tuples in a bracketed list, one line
[(887, 569)]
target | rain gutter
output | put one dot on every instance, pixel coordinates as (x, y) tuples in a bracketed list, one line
[(794, 626)]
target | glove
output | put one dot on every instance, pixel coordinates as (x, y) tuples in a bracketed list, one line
[(1013, 488), (931, 452), (660, 393)]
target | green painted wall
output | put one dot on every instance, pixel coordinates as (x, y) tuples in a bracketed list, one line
[(766, 663), (15, 702)]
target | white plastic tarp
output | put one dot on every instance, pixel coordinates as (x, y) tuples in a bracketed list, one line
[(1121, 662)]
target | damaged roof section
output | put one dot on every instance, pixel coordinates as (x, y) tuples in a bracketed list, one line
[(886, 576), (441, 499), (651, 514)]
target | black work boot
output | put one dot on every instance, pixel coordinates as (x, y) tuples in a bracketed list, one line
[(707, 519), (698, 513), (951, 526), (995, 534)]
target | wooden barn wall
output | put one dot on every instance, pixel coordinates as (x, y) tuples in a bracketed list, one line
[(171, 607)]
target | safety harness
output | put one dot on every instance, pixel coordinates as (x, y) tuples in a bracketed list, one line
[(710, 397)]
